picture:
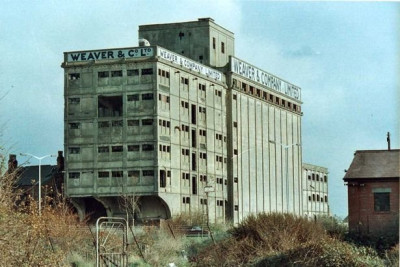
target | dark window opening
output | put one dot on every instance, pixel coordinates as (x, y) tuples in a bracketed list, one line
[(235, 180), (103, 149), (133, 148), (74, 125), (148, 173), (117, 174), (74, 175), (117, 148), (163, 178), (147, 147), (194, 141), (103, 74), (147, 71), (116, 73), (147, 122), (133, 97), (117, 123), (103, 174), (382, 201), (133, 174), (214, 43), (74, 100), (133, 122), (134, 72), (110, 106), (194, 110), (74, 150), (148, 96), (222, 47), (194, 162), (104, 124), (74, 76), (194, 185)]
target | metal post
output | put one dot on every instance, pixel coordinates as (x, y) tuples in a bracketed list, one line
[(40, 176)]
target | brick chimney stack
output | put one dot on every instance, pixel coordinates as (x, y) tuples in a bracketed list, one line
[(12, 163), (60, 161)]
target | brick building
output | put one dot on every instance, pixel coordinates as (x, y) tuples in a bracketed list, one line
[(373, 192)]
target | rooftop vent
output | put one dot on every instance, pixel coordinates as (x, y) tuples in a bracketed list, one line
[(143, 42)]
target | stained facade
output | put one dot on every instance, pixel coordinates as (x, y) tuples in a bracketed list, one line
[(182, 125)]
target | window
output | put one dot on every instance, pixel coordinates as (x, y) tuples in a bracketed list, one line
[(116, 73), (185, 152), (202, 132), (236, 207), (222, 47), (203, 155), (133, 148), (103, 74), (148, 173), (325, 179), (133, 97), (117, 174), (74, 175), (163, 73), (186, 200), (74, 150), (133, 122), (147, 71), (134, 72), (184, 80), (147, 147), (74, 100), (218, 93), (163, 98), (147, 122), (104, 124), (133, 174), (103, 174), (148, 96), (213, 43), (184, 104), (117, 123), (74, 125), (381, 201), (235, 151), (74, 76), (234, 96), (110, 106), (103, 149), (203, 178), (235, 124), (185, 176), (235, 180), (203, 201), (202, 87), (117, 149)]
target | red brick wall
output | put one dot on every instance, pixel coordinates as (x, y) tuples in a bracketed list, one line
[(363, 219)]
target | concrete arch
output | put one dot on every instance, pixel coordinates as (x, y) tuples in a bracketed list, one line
[(152, 208)]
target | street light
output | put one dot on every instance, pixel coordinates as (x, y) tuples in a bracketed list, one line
[(40, 175), (286, 147)]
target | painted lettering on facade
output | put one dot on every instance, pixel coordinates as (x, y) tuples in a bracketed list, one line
[(250, 72), (110, 54), (189, 64)]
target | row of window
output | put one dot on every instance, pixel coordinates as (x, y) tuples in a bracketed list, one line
[(118, 123), (115, 73), (115, 174), (318, 198), (249, 89), (316, 177)]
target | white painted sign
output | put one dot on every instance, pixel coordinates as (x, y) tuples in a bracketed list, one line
[(189, 64), (252, 73), (110, 54)]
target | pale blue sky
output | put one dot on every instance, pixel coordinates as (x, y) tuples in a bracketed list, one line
[(343, 55)]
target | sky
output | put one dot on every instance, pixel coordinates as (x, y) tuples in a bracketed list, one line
[(344, 56)]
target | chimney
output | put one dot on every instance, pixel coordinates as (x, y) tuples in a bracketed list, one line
[(12, 163), (60, 161), (388, 140)]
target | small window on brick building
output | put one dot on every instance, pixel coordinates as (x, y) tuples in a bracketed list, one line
[(382, 201)]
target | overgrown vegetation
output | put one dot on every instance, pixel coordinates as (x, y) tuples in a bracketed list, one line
[(57, 238)]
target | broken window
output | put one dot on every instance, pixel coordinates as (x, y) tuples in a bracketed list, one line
[(134, 72), (117, 149), (110, 106), (103, 149), (116, 73), (147, 71), (147, 122), (117, 174), (148, 173), (74, 150), (74, 76), (133, 122), (133, 148), (74, 175), (103, 174), (148, 96), (147, 147), (74, 125), (133, 97), (103, 74), (104, 124)]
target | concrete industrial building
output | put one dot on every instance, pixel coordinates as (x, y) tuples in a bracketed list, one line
[(182, 125), (315, 191)]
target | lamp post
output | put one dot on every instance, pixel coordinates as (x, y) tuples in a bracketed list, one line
[(286, 147), (40, 176)]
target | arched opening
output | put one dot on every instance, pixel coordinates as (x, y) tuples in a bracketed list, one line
[(94, 210)]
